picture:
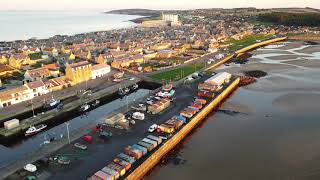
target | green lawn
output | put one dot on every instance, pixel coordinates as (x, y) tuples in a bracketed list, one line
[(179, 73), (246, 41)]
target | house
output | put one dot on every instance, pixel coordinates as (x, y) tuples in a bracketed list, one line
[(166, 54), (36, 74), (50, 51), (14, 96), (54, 69), (19, 60), (78, 72), (125, 62), (100, 70), (57, 83), (3, 59), (37, 88), (5, 69), (100, 59)]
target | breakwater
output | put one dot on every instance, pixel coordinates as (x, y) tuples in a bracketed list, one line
[(156, 157)]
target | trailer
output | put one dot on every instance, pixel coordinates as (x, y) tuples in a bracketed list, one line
[(120, 169), (166, 128), (122, 163), (100, 175), (149, 147), (154, 143), (155, 138), (127, 158), (143, 149), (133, 152), (111, 172)]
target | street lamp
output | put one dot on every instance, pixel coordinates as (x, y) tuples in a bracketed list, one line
[(67, 124)]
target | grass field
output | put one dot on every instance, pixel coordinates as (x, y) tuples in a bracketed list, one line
[(179, 73), (246, 41)]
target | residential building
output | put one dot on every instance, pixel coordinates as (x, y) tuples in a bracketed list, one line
[(100, 70), (19, 60), (37, 88), (36, 74), (14, 96), (78, 72)]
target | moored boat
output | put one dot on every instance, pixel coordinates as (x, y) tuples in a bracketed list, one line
[(35, 129)]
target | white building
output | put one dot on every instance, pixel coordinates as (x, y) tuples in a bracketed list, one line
[(100, 70)]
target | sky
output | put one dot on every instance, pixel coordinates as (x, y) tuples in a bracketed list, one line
[(151, 4)]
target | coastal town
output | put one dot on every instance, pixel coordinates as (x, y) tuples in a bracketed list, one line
[(46, 79)]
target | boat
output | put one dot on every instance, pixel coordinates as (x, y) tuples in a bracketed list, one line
[(51, 104), (138, 116), (84, 107), (35, 129), (80, 146), (135, 87), (140, 107), (96, 103), (123, 92)]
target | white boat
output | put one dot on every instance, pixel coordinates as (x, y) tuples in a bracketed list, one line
[(138, 116), (96, 103), (139, 107), (84, 107), (35, 129), (53, 103), (80, 146), (135, 87), (30, 167)]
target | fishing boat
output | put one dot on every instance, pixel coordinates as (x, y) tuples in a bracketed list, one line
[(51, 104), (135, 87), (96, 103), (84, 107), (123, 92), (35, 129)]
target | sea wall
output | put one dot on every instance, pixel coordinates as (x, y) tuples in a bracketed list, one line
[(155, 158)]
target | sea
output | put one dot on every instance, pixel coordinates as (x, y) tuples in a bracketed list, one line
[(23, 25)]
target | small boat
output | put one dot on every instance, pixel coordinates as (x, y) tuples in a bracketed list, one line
[(84, 107), (96, 103), (35, 129), (53, 103), (123, 92), (140, 107), (138, 116), (135, 87), (80, 146)]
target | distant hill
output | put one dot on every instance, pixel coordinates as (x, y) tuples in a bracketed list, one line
[(140, 12)]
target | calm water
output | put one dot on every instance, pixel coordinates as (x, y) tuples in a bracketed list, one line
[(22, 25), (10, 154), (270, 143)]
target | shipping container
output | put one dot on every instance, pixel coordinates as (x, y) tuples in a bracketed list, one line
[(103, 176), (194, 108), (166, 128), (111, 172), (120, 169), (133, 152), (155, 138), (122, 163), (13, 123), (180, 118), (186, 114), (143, 149), (175, 123), (155, 144), (202, 101), (149, 147), (127, 158)]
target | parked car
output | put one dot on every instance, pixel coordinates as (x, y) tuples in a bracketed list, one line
[(152, 128)]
